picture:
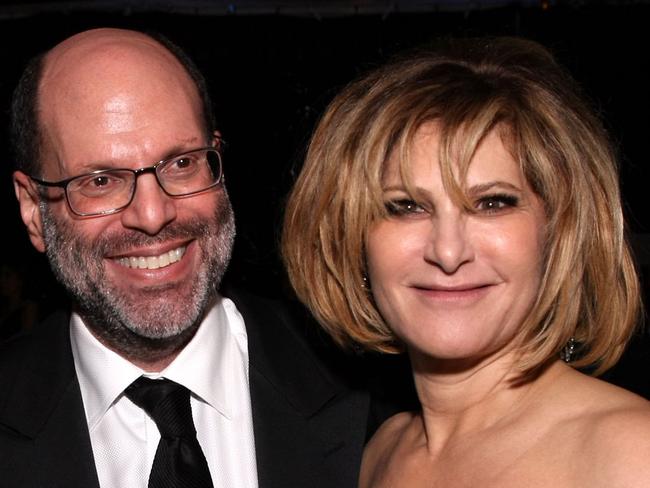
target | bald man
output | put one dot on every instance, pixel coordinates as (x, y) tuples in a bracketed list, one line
[(120, 183)]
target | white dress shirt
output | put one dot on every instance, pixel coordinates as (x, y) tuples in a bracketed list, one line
[(213, 366)]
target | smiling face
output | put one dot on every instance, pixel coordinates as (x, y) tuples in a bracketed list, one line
[(455, 284), (115, 99)]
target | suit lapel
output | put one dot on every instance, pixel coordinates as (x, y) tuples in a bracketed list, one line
[(44, 411), (309, 427)]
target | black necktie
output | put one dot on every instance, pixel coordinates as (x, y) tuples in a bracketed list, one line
[(179, 461)]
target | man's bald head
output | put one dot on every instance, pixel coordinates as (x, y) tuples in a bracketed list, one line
[(83, 65), (120, 103)]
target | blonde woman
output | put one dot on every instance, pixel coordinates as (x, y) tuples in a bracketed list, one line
[(462, 204)]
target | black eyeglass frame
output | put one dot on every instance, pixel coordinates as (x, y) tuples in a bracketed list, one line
[(136, 172)]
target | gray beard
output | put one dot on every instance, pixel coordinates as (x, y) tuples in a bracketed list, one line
[(160, 320)]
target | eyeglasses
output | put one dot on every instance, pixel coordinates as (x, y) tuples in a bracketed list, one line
[(108, 191)]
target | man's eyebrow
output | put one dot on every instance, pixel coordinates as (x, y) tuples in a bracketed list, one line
[(90, 166), (181, 148)]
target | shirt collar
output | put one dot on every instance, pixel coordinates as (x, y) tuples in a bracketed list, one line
[(204, 366)]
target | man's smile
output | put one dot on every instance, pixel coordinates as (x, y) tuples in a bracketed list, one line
[(153, 262)]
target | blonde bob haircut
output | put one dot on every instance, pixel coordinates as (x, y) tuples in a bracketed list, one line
[(589, 290)]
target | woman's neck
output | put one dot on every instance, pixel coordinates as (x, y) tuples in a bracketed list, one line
[(458, 399)]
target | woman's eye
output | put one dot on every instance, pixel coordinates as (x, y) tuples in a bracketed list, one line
[(496, 203), (403, 207)]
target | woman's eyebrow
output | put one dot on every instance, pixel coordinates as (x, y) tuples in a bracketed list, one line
[(490, 185), (399, 187)]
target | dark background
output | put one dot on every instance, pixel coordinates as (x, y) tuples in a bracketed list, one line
[(273, 66)]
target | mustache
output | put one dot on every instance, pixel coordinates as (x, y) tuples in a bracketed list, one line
[(119, 241)]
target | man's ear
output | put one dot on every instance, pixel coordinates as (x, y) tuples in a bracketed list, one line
[(217, 140), (30, 211)]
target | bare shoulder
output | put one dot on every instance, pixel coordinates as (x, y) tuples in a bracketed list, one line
[(394, 426), (620, 441), (387, 436), (614, 438), (383, 445)]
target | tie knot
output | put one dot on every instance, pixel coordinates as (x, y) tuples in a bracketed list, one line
[(167, 403)]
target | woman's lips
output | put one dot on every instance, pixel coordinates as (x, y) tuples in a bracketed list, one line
[(456, 292)]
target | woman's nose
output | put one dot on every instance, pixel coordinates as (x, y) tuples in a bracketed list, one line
[(448, 245)]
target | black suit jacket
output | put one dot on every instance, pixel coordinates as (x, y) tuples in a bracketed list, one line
[(309, 426)]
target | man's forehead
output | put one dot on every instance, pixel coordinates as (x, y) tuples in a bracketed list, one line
[(116, 88), (90, 40), (104, 47), (107, 66)]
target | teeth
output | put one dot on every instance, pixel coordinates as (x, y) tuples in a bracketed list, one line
[(163, 260), (153, 262)]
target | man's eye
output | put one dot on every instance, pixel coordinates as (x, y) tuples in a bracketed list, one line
[(496, 203), (182, 164), (100, 181), (403, 207), (97, 185)]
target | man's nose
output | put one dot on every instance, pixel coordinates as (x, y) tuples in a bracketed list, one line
[(448, 246), (151, 208)]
